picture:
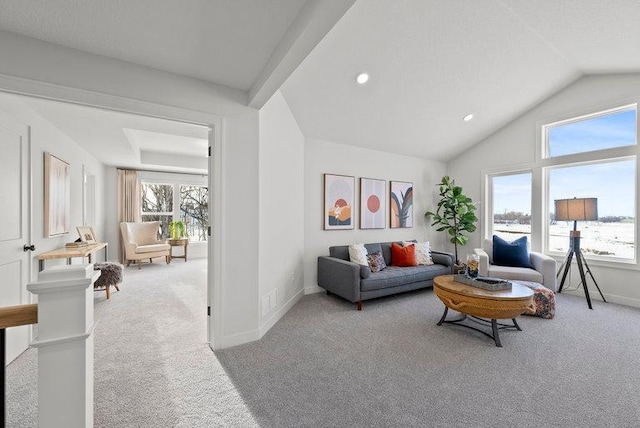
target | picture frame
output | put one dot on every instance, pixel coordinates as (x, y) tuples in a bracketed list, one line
[(87, 234), (401, 204), (57, 196), (338, 202), (373, 202)]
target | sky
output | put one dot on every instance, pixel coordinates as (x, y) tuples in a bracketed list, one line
[(612, 183)]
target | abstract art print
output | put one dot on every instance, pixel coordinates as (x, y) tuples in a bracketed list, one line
[(339, 197), (401, 204), (57, 196), (372, 203)]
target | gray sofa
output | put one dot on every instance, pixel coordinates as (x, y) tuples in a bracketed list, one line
[(356, 283)]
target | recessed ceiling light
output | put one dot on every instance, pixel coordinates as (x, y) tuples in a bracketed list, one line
[(468, 117), (362, 78)]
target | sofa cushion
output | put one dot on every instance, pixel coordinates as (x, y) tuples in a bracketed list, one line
[(394, 276), (376, 262), (514, 254), (365, 271), (358, 254), (144, 249), (373, 248), (423, 252), (403, 256), (508, 272)]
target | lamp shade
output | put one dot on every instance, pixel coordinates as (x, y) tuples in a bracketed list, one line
[(577, 209)]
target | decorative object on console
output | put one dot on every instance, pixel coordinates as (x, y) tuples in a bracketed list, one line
[(57, 196), (454, 214), (401, 209), (339, 197), (87, 234), (372, 203), (575, 210)]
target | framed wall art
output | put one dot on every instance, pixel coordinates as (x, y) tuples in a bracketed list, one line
[(57, 196), (373, 200), (401, 208), (339, 196)]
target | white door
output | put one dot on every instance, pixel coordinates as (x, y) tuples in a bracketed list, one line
[(14, 226)]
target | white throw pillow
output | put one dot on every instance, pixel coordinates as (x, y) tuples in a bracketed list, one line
[(358, 254), (423, 252)]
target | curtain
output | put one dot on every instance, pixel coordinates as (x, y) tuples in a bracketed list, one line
[(128, 201)]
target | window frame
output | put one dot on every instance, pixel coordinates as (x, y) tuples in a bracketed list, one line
[(540, 206), (175, 180), (585, 116), (487, 225), (591, 257)]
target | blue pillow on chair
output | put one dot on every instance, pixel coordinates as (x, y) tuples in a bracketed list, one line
[(513, 254)]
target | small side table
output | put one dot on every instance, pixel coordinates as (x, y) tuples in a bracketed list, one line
[(184, 243)]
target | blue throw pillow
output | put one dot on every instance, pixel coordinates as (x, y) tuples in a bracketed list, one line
[(514, 254)]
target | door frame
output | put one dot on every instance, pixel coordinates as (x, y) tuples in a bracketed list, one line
[(215, 123)]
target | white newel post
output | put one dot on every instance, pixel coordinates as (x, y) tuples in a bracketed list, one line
[(65, 345)]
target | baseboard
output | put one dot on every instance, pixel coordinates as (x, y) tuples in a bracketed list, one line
[(275, 317), (612, 298), (239, 339), (313, 289)]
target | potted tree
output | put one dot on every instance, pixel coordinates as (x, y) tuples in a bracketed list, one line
[(455, 214)]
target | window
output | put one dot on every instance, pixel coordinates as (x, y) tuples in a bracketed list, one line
[(165, 202), (511, 208), (194, 211), (616, 128), (157, 205), (613, 184), (587, 167)]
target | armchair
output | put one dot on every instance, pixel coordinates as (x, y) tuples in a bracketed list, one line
[(543, 272), (141, 242)]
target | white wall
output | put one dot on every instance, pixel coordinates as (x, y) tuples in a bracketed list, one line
[(322, 157), (38, 61), (281, 212), (515, 145), (46, 138)]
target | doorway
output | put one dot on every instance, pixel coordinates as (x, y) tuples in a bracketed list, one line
[(91, 205)]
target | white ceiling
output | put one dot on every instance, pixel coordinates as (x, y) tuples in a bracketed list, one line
[(126, 140), (431, 61), (222, 41)]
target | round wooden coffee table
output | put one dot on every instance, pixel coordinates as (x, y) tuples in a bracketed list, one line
[(478, 303)]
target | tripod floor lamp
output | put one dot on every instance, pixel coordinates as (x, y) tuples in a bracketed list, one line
[(575, 210)]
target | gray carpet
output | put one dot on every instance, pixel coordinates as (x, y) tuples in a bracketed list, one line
[(326, 365)]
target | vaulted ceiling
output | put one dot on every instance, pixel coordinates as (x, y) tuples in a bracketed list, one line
[(431, 62)]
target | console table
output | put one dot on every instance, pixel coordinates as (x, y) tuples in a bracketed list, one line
[(69, 253)]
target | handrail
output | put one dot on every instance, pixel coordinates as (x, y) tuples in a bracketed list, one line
[(13, 316)]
